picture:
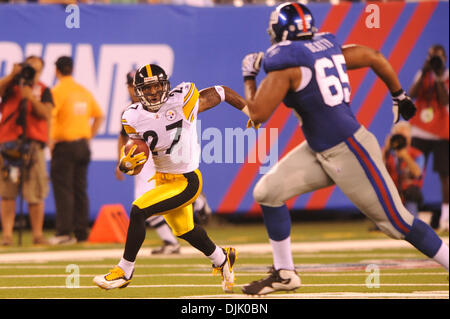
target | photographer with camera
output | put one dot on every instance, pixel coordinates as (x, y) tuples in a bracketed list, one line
[(405, 164), (430, 127), (25, 108)]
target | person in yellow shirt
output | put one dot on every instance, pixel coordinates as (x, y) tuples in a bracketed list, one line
[(76, 119)]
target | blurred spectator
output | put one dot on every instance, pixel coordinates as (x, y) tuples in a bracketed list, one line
[(26, 109), (405, 164), (430, 127), (71, 131), (193, 3)]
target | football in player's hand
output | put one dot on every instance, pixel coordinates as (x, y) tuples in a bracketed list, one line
[(142, 147)]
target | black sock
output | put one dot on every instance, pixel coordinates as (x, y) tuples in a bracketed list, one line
[(198, 239), (135, 235)]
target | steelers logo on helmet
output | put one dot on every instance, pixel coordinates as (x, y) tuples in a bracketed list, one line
[(291, 21), (151, 86)]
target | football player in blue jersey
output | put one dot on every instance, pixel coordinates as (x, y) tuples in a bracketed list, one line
[(307, 71)]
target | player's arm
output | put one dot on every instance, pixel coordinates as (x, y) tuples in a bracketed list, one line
[(212, 96), (263, 101), (358, 56), (128, 161), (121, 141)]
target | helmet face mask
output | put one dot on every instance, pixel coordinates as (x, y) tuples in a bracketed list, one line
[(151, 86), (291, 21)]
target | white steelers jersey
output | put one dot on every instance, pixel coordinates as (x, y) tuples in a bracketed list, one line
[(171, 132)]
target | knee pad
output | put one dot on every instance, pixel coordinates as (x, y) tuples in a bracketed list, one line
[(265, 194)]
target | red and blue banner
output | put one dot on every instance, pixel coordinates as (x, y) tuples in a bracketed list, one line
[(206, 46)]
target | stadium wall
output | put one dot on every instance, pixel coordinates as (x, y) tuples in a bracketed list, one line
[(206, 46)]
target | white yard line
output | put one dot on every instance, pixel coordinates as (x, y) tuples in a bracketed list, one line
[(98, 254), (333, 295), (239, 274), (204, 285)]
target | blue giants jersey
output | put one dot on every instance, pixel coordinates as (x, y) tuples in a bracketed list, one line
[(323, 97)]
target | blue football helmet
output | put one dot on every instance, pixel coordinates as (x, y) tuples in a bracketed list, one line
[(291, 21)]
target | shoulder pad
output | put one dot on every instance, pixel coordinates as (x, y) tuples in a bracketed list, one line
[(329, 36), (132, 112), (281, 56), (129, 117), (182, 88), (319, 34), (133, 106)]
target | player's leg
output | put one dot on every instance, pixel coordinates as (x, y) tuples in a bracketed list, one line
[(172, 196), (202, 211), (357, 168), (297, 173), (172, 191), (223, 259), (170, 243), (143, 182)]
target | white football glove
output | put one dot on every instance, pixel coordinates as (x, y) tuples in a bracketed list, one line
[(251, 64)]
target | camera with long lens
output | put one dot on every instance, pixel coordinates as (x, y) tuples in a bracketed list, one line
[(397, 142), (436, 63), (26, 74), (25, 77)]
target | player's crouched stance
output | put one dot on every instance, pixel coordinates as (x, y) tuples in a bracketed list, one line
[(166, 120), (308, 72)]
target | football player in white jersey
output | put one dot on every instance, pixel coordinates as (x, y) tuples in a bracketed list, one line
[(166, 120), (142, 185)]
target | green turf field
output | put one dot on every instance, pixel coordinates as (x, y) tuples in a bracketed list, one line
[(331, 259)]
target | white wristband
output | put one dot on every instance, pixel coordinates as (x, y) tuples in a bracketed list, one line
[(221, 92)]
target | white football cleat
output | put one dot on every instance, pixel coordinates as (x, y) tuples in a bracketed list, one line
[(226, 269), (114, 279)]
